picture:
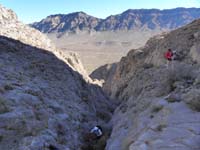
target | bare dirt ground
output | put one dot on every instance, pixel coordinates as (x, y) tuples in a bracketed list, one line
[(98, 48)]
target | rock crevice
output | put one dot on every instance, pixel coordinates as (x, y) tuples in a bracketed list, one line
[(158, 105)]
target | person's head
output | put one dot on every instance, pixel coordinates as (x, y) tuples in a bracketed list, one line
[(169, 50), (99, 127)]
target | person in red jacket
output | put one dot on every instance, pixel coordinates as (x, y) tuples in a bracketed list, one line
[(169, 56)]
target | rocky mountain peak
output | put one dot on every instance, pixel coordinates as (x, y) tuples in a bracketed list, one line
[(13, 28), (139, 11), (79, 14), (7, 15), (72, 22), (132, 19)]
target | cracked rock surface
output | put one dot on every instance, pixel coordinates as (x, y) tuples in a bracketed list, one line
[(159, 107)]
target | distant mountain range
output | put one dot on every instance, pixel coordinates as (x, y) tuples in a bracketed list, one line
[(132, 19)]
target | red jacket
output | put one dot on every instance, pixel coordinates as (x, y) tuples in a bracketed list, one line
[(168, 55)]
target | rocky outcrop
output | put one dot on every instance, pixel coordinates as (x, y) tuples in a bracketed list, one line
[(158, 106), (104, 73), (45, 103), (13, 28), (72, 59), (133, 19)]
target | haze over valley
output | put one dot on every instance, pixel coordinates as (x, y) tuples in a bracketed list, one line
[(103, 41)]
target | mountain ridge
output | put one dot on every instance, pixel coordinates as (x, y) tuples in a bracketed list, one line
[(131, 19), (71, 17), (112, 37)]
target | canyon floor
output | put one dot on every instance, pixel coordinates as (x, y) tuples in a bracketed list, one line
[(99, 48)]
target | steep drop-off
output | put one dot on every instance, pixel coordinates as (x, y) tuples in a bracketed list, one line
[(45, 101)]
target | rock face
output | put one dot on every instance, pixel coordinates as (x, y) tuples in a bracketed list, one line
[(104, 74), (159, 107), (73, 22), (151, 19), (13, 28), (44, 102)]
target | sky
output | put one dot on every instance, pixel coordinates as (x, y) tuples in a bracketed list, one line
[(29, 11)]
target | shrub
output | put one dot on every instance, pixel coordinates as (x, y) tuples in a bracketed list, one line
[(161, 127), (192, 99), (147, 66), (151, 116), (3, 107), (1, 138), (194, 104), (31, 92), (182, 72), (156, 109), (8, 87), (60, 129), (173, 98), (103, 115)]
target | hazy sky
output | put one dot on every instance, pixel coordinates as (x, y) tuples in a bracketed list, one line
[(34, 10)]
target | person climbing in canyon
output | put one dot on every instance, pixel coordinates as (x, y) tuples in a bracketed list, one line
[(169, 57), (94, 134), (97, 131), (92, 137)]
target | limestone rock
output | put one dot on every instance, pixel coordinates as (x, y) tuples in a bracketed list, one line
[(104, 74), (11, 27), (158, 106), (43, 101)]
